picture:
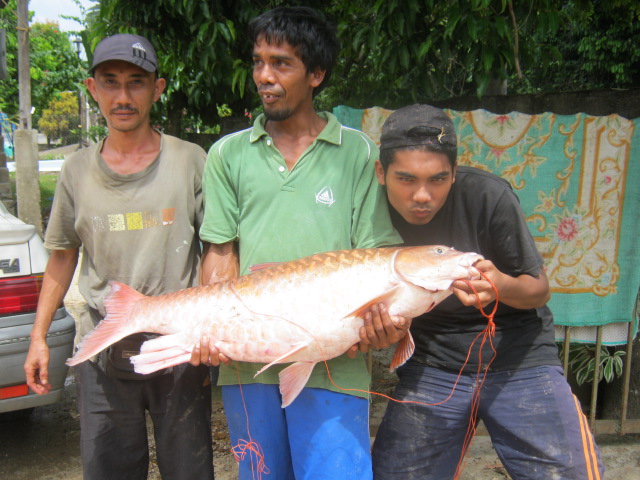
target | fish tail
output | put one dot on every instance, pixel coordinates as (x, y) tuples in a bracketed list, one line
[(115, 326)]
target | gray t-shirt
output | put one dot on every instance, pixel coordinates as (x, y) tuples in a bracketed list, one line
[(139, 229)]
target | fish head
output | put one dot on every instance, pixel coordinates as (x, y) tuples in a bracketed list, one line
[(435, 267)]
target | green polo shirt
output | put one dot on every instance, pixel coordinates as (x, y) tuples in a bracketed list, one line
[(330, 200)]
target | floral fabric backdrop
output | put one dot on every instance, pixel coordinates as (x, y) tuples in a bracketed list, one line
[(578, 180)]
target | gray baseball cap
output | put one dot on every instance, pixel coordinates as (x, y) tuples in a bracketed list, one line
[(418, 125), (129, 48)]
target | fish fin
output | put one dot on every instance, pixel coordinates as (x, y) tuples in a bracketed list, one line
[(283, 358), (145, 365), (262, 266), (403, 352), (119, 303), (361, 310), (293, 379), (162, 352)]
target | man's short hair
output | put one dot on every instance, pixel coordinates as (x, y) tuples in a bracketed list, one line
[(312, 36), (418, 127)]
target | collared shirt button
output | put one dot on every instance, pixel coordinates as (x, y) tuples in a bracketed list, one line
[(281, 168), (269, 142)]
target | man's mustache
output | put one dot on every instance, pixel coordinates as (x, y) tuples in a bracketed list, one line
[(124, 109)]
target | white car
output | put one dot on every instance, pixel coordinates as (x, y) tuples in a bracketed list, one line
[(23, 259)]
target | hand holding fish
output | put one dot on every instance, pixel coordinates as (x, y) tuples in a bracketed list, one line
[(522, 292), (207, 353), (381, 330), (480, 291)]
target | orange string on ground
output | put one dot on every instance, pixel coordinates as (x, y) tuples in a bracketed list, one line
[(251, 447)]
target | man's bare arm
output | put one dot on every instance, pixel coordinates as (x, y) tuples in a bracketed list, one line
[(57, 278), (219, 264)]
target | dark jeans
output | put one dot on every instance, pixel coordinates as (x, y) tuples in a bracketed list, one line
[(113, 424), (535, 423)]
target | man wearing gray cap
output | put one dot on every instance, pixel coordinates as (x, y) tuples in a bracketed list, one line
[(517, 389), (133, 203)]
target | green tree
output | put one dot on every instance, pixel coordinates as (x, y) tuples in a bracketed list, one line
[(394, 52), (55, 67), (597, 46), (61, 116), (201, 48), (420, 50)]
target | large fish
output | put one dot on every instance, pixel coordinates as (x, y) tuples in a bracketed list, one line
[(300, 312)]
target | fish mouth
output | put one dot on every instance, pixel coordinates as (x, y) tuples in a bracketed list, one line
[(468, 261), (441, 277)]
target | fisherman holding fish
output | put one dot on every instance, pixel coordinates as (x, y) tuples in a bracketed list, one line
[(133, 202), (535, 423), (294, 184)]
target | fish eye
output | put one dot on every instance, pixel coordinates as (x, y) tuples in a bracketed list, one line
[(439, 250)]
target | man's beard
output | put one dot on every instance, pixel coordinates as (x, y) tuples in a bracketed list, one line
[(277, 115)]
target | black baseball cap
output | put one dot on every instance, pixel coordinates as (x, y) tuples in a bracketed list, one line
[(418, 125), (127, 47)]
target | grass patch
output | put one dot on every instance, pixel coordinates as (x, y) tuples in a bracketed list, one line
[(48, 181)]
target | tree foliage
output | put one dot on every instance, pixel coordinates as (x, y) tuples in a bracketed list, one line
[(55, 66), (61, 116), (394, 52), (597, 48), (404, 51), (201, 48), (430, 50)]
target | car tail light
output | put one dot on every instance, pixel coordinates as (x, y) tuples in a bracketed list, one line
[(14, 391), (19, 294)]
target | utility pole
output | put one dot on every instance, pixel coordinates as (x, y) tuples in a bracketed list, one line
[(82, 109), (25, 139)]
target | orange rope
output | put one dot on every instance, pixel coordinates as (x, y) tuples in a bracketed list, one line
[(487, 334), (252, 447)]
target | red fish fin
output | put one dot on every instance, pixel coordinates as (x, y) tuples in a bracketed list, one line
[(293, 379), (361, 310), (283, 358), (162, 352), (262, 266), (403, 352), (113, 327)]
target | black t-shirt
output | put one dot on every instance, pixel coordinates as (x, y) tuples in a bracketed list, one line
[(482, 214)]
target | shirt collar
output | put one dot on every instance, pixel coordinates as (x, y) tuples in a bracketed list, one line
[(331, 133)]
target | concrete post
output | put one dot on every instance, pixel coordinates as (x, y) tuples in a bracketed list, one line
[(25, 139), (28, 178)]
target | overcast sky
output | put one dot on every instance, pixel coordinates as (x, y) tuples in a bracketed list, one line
[(50, 10)]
